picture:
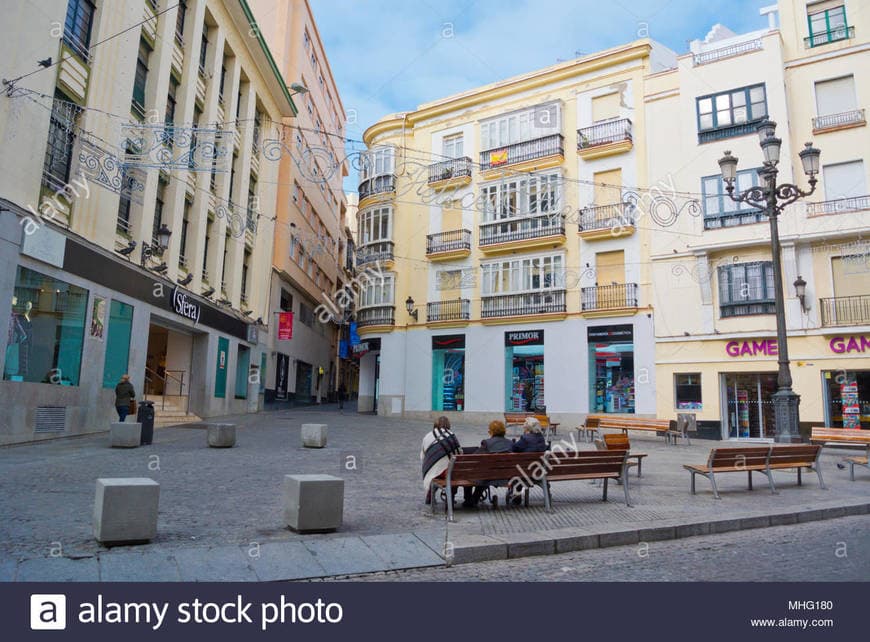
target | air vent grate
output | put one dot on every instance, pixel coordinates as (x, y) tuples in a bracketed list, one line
[(50, 419)]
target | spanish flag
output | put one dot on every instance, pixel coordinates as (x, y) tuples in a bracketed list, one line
[(497, 158)]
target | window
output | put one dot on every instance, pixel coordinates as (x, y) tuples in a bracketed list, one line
[(827, 24), (203, 50), (720, 210), (451, 146), (46, 330), (605, 107), (306, 40), (245, 264), (844, 180), (171, 101), (185, 222), (687, 391), (530, 274), (141, 79), (306, 314), (529, 124), (730, 110), (524, 196), (179, 22), (286, 303), (375, 225), (77, 26), (836, 96), (117, 343), (377, 291), (295, 193), (243, 367), (377, 162), (61, 138), (158, 210), (746, 289), (223, 82), (122, 223), (208, 228)]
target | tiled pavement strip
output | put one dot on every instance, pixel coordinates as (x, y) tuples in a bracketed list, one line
[(220, 509)]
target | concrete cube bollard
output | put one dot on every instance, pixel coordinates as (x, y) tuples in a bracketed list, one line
[(314, 435), (126, 434), (221, 435), (125, 510), (313, 503)]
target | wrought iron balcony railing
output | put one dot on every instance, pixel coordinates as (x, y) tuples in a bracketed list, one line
[(832, 121), (733, 219), (608, 297), (448, 169), (845, 310), (509, 305), (456, 310), (376, 315), (374, 252), (839, 205), (522, 228), (829, 35), (616, 215), (448, 241), (706, 57), (551, 145), (377, 185), (611, 131), (720, 133)]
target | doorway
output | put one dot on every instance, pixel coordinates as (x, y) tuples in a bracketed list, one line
[(303, 382), (749, 405), (167, 362), (377, 382)]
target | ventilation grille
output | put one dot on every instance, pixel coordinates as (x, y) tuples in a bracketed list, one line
[(50, 419)]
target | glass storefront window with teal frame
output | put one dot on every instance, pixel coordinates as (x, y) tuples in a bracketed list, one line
[(117, 343), (221, 366)]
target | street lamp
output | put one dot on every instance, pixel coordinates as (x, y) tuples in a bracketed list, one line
[(409, 306), (773, 198), (150, 250)]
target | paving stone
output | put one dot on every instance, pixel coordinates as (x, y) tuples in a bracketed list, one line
[(781, 519), (693, 529), (477, 548), (344, 555), (568, 541), (528, 544), (58, 569), (856, 509), (725, 525), (213, 564), (811, 515), (833, 513), (123, 565), (619, 538), (278, 561), (760, 521), (656, 534), (403, 550)]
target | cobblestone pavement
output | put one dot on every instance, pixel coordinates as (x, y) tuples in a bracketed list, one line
[(232, 497), (831, 550)]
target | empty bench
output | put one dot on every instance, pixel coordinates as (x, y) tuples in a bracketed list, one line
[(761, 459), (621, 442), (569, 465), (518, 418), (840, 436)]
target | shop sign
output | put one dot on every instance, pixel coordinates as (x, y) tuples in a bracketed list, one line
[(752, 348), (448, 341), (285, 326), (524, 338), (184, 306), (843, 345), (612, 333), (363, 347)]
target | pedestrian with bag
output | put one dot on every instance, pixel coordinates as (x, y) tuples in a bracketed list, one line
[(125, 398)]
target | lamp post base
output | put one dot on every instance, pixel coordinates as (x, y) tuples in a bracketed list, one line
[(786, 416)]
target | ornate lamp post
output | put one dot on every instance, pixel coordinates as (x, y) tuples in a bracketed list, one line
[(773, 198)]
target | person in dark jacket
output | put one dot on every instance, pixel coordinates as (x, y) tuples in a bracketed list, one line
[(497, 442), (124, 394), (532, 440)]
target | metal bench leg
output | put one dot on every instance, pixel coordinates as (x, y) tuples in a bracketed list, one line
[(639, 465), (548, 500), (800, 481), (692, 474), (713, 483), (819, 473), (749, 474), (432, 490), (769, 474), (625, 489), (604, 498), (851, 471)]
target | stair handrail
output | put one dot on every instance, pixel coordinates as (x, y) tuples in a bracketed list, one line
[(180, 381)]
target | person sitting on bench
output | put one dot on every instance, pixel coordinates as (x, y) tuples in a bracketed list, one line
[(437, 447), (496, 443), (532, 440)]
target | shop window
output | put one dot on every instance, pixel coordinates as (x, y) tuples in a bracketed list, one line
[(117, 343), (448, 372), (687, 389), (750, 405), (243, 364), (611, 369), (847, 398), (524, 367), (46, 330)]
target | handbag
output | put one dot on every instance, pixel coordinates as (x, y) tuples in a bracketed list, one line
[(132, 406)]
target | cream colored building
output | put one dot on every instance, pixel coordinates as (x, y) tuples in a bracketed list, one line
[(499, 231), (125, 138), (716, 352)]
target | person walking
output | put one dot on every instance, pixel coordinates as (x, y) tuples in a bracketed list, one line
[(125, 395), (341, 393)]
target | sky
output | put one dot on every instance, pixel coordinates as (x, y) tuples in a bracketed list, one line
[(392, 55)]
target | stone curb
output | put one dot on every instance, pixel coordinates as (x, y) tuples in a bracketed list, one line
[(483, 548)]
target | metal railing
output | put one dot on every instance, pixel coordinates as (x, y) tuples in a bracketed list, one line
[(522, 228), (377, 185), (741, 129), (251, 222), (551, 145), (164, 378), (508, 305), (122, 226), (456, 310), (376, 315), (608, 297), (733, 219), (373, 252), (845, 310), (838, 205), (452, 168), (611, 131), (448, 241), (706, 57), (616, 215), (831, 35), (830, 121)]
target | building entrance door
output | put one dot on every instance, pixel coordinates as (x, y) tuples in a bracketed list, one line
[(167, 362), (749, 405)]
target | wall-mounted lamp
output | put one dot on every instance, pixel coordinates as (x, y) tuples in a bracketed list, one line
[(800, 290), (409, 306), (297, 88)]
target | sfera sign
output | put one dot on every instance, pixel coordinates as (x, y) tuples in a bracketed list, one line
[(184, 305)]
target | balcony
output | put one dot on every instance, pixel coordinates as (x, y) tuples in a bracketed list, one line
[(604, 139), (607, 221), (731, 131), (839, 206), (450, 173), (381, 315), (834, 122), (539, 153), (380, 252), (551, 302), (447, 311), (448, 245), (609, 300), (733, 219), (523, 232), (832, 35), (706, 57), (348, 258), (383, 184), (845, 310)]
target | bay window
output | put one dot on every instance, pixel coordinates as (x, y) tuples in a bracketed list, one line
[(377, 162), (522, 196), (521, 275), (520, 126), (730, 113), (375, 225), (377, 291)]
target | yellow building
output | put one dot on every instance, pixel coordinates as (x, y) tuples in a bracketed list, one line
[(497, 253), (716, 351)]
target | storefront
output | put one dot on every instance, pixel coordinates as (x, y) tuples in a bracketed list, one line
[(847, 398), (749, 405), (448, 372), (611, 369), (524, 369), (368, 352)]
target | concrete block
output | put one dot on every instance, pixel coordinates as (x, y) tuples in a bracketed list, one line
[(125, 509), (761, 521), (476, 548), (692, 530), (314, 435), (570, 543), (221, 435), (781, 519), (619, 538), (125, 435), (313, 503)]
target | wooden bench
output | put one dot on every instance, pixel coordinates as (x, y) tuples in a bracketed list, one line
[(646, 425), (761, 459), (856, 461), (621, 442), (486, 469), (568, 465), (518, 418), (847, 436)]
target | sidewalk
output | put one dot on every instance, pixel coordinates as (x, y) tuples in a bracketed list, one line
[(220, 510)]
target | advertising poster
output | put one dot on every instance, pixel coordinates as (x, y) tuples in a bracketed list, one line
[(98, 318), (285, 326)]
